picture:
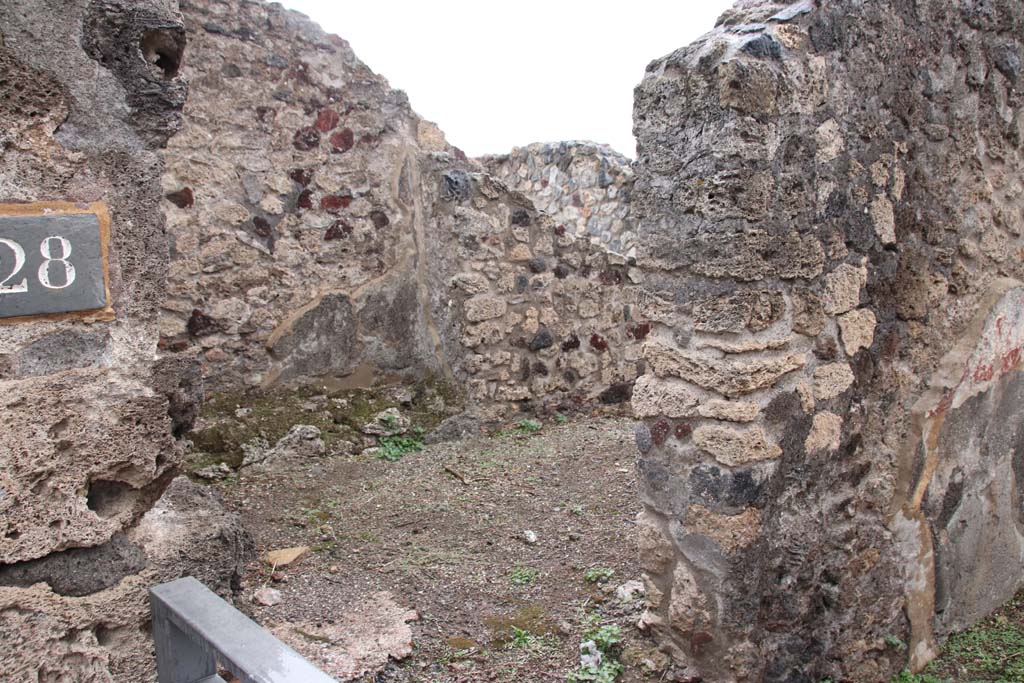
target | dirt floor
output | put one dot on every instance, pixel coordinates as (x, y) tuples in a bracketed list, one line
[(444, 531)]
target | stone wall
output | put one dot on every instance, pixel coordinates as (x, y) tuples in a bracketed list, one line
[(89, 94), (550, 321), (293, 202), (583, 186), (828, 203), (322, 231)]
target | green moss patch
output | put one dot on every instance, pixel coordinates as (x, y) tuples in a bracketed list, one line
[(230, 420)]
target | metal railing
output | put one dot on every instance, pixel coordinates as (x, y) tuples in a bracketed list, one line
[(194, 631)]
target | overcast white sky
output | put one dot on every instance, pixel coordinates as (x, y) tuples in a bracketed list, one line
[(494, 75)]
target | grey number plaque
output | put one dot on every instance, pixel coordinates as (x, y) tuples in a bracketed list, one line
[(52, 262)]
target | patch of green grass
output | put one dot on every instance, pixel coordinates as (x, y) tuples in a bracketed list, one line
[(560, 418), (991, 651), (598, 575), (521, 575), (994, 648)]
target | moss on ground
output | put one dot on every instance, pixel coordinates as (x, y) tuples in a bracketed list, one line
[(991, 651), (339, 415)]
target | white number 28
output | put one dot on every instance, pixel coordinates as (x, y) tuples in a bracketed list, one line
[(46, 249)]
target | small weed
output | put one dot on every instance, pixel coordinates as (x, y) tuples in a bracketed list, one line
[(368, 537), (528, 427), (522, 639), (606, 672), (448, 655), (560, 419), (522, 575), (576, 510), (605, 637), (895, 643), (319, 521), (605, 667), (389, 421), (392, 448), (524, 428), (598, 575)]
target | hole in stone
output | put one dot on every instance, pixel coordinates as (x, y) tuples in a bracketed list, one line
[(104, 635), (108, 498), (164, 48), (79, 571), (13, 534)]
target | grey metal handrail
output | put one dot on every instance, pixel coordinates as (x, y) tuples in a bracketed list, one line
[(194, 630)]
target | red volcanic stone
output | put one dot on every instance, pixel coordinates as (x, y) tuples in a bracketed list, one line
[(183, 198), (598, 343), (339, 230), (571, 342), (380, 219), (306, 139), (303, 176), (460, 155), (660, 431), (326, 120), (559, 230), (610, 277), (305, 200), (335, 202), (639, 331), (343, 140), (683, 430)]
